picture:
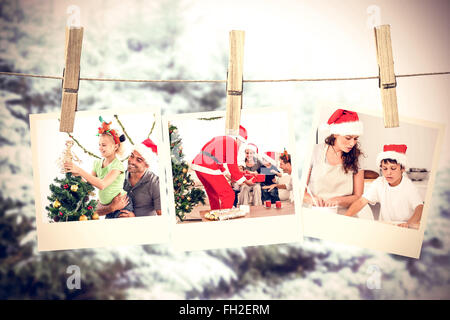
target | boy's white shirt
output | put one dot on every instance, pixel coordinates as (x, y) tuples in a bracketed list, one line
[(397, 203)]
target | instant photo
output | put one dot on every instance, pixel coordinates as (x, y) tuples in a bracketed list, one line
[(102, 184), (233, 191), (368, 185)]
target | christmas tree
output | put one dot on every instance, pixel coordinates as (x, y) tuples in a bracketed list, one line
[(70, 200), (186, 196)]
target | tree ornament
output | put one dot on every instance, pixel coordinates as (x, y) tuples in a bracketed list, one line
[(56, 204), (83, 218), (185, 170), (95, 216), (74, 188), (66, 186), (184, 181), (188, 198), (67, 156)]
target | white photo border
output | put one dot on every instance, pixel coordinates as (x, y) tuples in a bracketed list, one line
[(372, 234), (100, 233), (237, 232)]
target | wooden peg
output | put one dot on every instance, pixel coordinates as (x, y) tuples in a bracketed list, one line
[(235, 82), (387, 80), (71, 78)]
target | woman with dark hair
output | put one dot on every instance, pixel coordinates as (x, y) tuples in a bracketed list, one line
[(335, 177)]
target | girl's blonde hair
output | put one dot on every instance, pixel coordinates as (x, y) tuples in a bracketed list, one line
[(121, 147)]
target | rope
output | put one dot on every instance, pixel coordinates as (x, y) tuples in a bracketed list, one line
[(223, 81)]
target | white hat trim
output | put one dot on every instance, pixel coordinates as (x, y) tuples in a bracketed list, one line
[(354, 128), (251, 147), (268, 159), (397, 156), (145, 152)]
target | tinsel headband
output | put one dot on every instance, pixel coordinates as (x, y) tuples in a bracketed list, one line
[(105, 129)]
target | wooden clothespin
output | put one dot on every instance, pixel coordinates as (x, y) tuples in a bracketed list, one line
[(387, 81), (71, 78), (235, 82)]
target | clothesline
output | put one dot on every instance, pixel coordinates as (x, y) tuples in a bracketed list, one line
[(221, 81)]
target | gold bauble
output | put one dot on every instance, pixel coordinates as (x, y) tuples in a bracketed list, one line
[(56, 204), (83, 218), (95, 216), (74, 188)]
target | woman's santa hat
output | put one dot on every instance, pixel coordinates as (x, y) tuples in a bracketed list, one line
[(344, 123), (252, 146), (147, 149), (395, 152)]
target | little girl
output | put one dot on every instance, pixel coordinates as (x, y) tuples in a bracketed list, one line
[(108, 173)]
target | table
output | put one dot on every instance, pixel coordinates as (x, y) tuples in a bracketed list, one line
[(197, 215)]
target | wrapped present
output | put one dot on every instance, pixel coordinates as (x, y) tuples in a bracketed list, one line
[(257, 178), (225, 214)]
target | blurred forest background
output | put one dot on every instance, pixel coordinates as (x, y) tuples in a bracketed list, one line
[(150, 42)]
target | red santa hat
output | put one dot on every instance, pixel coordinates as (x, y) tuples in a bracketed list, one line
[(269, 156), (242, 134), (147, 149), (252, 146), (345, 122), (395, 152)]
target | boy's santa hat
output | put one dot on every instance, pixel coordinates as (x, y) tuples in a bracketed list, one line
[(345, 122), (147, 149), (395, 152), (269, 156)]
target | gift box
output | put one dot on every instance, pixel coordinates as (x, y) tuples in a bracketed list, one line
[(258, 177)]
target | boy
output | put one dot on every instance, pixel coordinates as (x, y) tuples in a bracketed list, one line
[(398, 197), (283, 182), (269, 169)]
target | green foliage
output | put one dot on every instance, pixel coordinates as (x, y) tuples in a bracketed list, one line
[(26, 275), (69, 203), (186, 196)]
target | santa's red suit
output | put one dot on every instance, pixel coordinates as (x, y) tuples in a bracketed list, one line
[(209, 167)]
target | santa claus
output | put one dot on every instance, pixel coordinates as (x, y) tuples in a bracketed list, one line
[(210, 166)]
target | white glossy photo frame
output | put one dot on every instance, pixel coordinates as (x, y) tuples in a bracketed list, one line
[(195, 131), (424, 141), (47, 144)]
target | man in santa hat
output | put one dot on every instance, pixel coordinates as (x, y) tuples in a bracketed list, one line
[(400, 201), (141, 185), (209, 165)]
